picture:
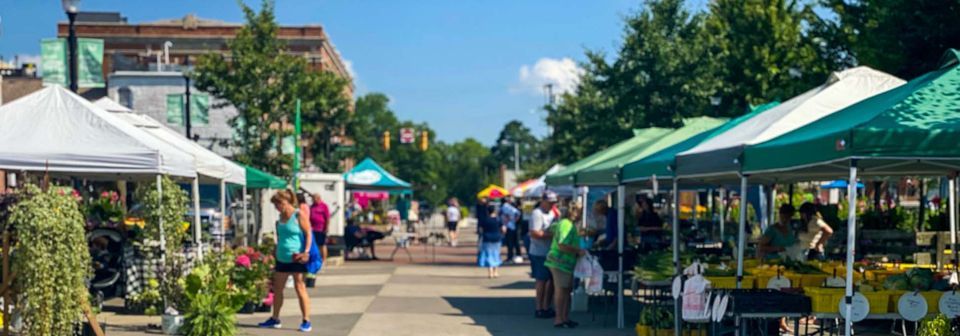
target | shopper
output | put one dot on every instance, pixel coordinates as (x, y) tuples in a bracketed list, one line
[(453, 220), (540, 238), (319, 217), (562, 258), (650, 224), (294, 238), (510, 216), (491, 231), (814, 232)]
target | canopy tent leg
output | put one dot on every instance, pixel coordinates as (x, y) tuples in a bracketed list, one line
[(677, 324), (790, 194), (621, 200), (584, 207), (656, 186), (763, 208), (223, 214), (772, 205), (246, 219), (921, 213), (851, 244), (694, 212), (952, 197), (741, 230), (723, 214), (197, 229)]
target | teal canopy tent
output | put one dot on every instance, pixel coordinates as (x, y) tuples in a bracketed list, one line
[(258, 179), (370, 176)]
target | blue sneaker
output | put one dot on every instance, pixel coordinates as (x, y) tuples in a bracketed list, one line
[(271, 323), (306, 326)]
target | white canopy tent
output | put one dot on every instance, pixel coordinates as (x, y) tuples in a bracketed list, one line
[(210, 166), (54, 130)]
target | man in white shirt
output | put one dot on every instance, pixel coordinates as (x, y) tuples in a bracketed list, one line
[(453, 219), (540, 239), (510, 215)]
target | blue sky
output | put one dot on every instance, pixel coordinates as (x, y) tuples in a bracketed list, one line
[(464, 66)]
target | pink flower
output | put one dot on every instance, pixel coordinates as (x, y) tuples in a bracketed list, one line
[(243, 261), (104, 194)]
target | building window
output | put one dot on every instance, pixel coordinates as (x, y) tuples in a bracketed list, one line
[(125, 97), (199, 109)]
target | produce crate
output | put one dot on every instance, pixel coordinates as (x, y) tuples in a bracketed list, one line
[(749, 281), (933, 301), (824, 300), (879, 301), (812, 280)]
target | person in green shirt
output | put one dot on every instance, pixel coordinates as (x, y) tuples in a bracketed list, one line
[(561, 260), (779, 236)]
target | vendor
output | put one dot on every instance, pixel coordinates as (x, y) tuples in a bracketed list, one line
[(778, 237), (814, 233), (649, 222)]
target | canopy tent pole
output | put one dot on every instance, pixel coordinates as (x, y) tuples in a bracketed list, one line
[(952, 197), (711, 211), (723, 209), (790, 194), (851, 244), (223, 214), (584, 207), (741, 228), (772, 205), (676, 253), (621, 200), (246, 219), (197, 229), (763, 208), (656, 186), (921, 213), (694, 213)]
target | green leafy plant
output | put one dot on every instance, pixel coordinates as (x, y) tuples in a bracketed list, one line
[(251, 271), (167, 207), (938, 325), (655, 316), (149, 300), (51, 260), (212, 300)]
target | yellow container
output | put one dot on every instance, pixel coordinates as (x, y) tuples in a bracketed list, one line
[(933, 301), (880, 275), (824, 300), (879, 301), (894, 299), (749, 281), (812, 280), (643, 330)]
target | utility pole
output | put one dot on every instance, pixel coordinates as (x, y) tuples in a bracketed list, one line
[(516, 158), (186, 98)]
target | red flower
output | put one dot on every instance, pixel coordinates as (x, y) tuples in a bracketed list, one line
[(243, 261)]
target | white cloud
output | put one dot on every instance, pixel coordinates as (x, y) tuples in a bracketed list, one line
[(349, 65), (563, 73)]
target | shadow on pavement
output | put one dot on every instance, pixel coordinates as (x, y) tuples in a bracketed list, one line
[(514, 316)]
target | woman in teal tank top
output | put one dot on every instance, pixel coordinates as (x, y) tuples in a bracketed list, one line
[(293, 245)]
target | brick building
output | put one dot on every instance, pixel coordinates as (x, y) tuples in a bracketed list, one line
[(135, 47)]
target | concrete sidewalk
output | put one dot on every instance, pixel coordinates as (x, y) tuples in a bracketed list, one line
[(447, 295)]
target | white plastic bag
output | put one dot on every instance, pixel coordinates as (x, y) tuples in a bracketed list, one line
[(595, 281), (696, 296), (584, 269)]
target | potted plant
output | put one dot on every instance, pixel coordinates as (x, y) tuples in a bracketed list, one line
[(167, 208), (51, 273), (250, 274), (211, 299)]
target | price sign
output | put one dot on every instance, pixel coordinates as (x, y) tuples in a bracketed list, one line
[(950, 304), (677, 287), (406, 135), (861, 308), (778, 282), (912, 306), (720, 307)]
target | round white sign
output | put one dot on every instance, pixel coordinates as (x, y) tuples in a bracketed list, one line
[(720, 307), (950, 304), (677, 287), (836, 282), (861, 308), (912, 306), (778, 282)]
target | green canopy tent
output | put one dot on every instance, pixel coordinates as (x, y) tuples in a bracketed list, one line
[(912, 129), (641, 137), (609, 172), (258, 179)]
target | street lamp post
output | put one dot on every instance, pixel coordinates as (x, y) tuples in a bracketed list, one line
[(186, 97), (70, 7)]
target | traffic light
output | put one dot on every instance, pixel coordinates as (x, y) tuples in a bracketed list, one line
[(386, 140), (424, 140)]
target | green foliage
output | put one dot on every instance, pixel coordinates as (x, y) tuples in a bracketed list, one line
[(657, 316), (51, 260), (168, 207), (937, 325), (212, 300), (263, 80), (903, 37), (251, 272), (149, 300)]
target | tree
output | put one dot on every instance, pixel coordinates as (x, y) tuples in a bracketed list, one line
[(263, 81), (577, 124), (759, 52), (465, 170), (903, 37)]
